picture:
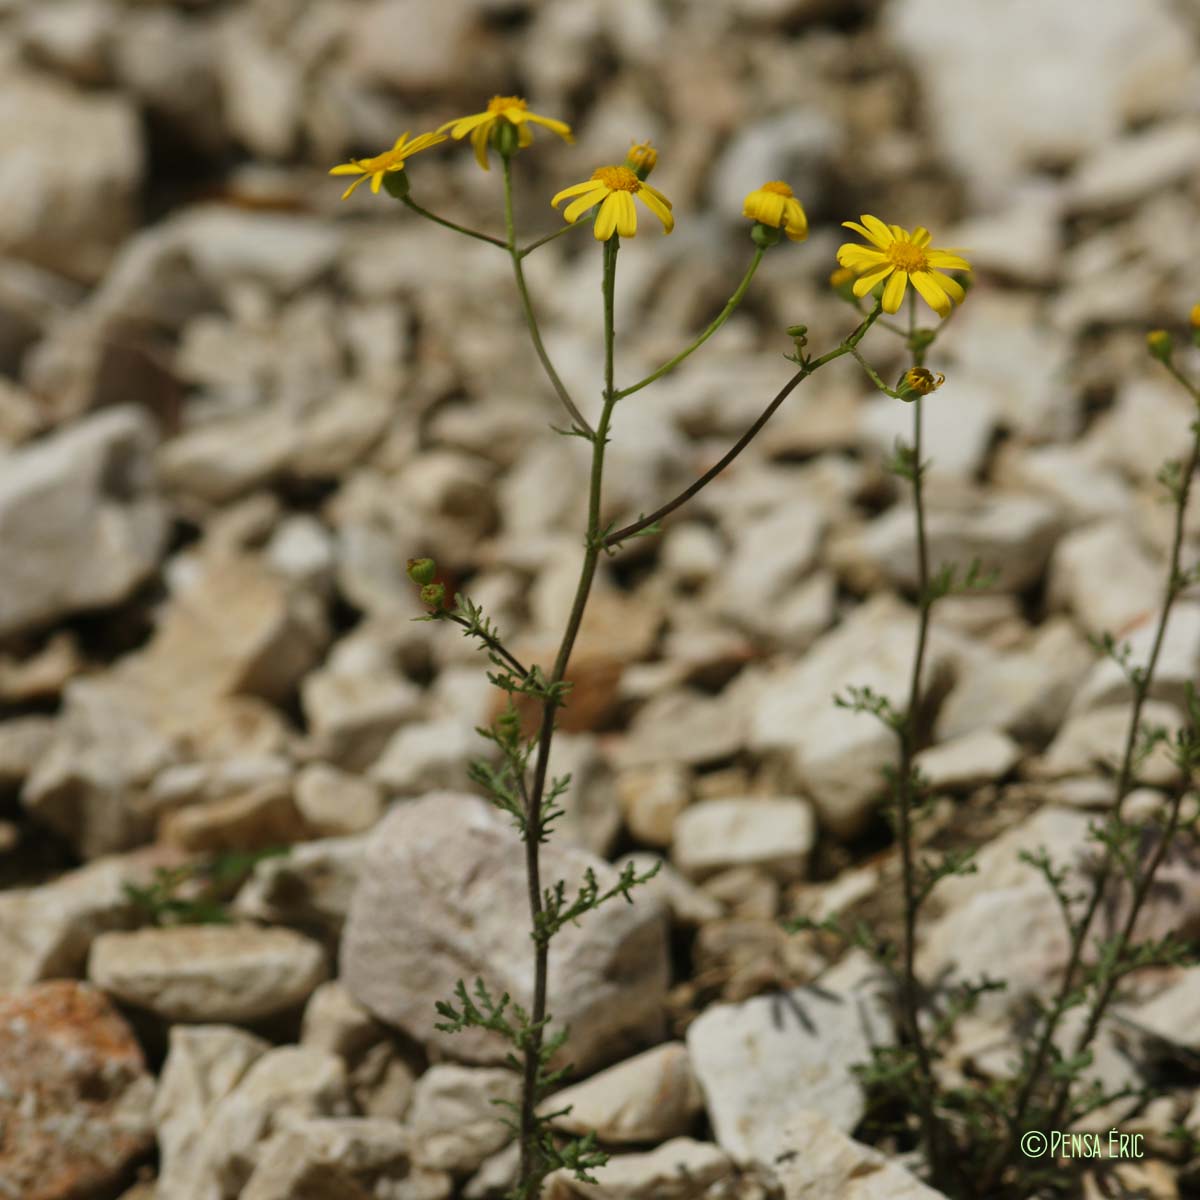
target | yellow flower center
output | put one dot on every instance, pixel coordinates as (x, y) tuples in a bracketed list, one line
[(778, 188), (617, 179), (907, 256), (497, 104)]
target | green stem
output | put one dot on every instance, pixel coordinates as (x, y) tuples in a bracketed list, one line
[(716, 324), (584, 220), (531, 1170), (807, 369), (873, 375), (527, 307), (472, 233)]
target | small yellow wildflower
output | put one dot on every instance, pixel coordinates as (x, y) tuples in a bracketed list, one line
[(775, 204), (641, 159), (841, 277), (614, 188), (1194, 316), (383, 164), (898, 256), (502, 112)]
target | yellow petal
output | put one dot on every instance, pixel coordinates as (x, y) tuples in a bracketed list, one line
[(576, 189), (900, 233), (947, 260), (950, 286), (657, 195), (349, 168), (921, 236), (376, 182), (606, 219), (626, 214), (879, 233), (929, 291), (577, 208), (893, 294), (346, 193), (461, 126), (560, 127), (796, 220), (658, 204), (399, 142), (865, 282), (524, 136), (859, 258), (479, 142)]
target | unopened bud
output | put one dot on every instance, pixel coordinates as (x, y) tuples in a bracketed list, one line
[(641, 159), (764, 235), (506, 138), (1160, 344), (421, 570), (432, 594), (396, 183)]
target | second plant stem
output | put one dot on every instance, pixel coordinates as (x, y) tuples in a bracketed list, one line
[(530, 1177)]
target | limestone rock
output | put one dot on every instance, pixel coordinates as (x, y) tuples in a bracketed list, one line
[(819, 1160), (775, 834), (455, 1124), (208, 972), (75, 1095), (333, 803), (80, 525), (680, 1169), (648, 1098), (652, 798), (760, 1061), (262, 818), (443, 876), (1095, 740), (969, 761)]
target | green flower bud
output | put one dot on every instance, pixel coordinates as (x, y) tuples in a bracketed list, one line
[(421, 570), (432, 594), (1160, 344), (507, 138)]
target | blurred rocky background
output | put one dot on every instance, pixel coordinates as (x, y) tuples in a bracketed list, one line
[(239, 856)]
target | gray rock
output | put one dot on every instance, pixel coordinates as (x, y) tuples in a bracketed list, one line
[(1093, 742), (443, 878), (761, 1061), (1127, 169), (970, 761), (774, 834), (208, 973), (681, 1169), (648, 1098), (454, 1119), (80, 525), (652, 798)]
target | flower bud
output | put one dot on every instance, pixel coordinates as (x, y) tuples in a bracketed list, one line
[(641, 158), (507, 138), (1160, 344), (918, 381), (432, 594), (799, 335), (396, 184), (1194, 321), (421, 570)]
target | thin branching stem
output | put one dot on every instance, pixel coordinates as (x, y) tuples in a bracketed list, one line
[(751, 433), (471, 233), (535, 334)]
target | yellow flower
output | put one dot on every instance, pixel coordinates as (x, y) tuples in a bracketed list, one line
[(503, 112), (898, 256), (614, 188), (1194, 316), (775, 204), (382, 164), (920, 381), (642, 158), (841, 277), (1160, 344)]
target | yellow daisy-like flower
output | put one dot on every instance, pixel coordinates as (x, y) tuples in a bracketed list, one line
[(614, 188), (510, 110), (775, 204), (382, 164), (898, 256)]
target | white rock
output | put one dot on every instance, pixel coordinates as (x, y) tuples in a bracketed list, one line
[(1083, 579), (444, 875), (335, 1021), (954, 443), (46, 931), (208, 972), (648, 1098), (454, 1122), (1084, 488), (301, 550), (80, 525), (686, 726), (383, 50), (427, 754), (1123, 60), (687, 904), (691, 553), (1174, 1013), (74, 165), (1022, 241), (1126, 169), (262, 92), (969, 761), (835, 755), (204, 1063), (761, 1061), (334, 803), (652, 798), (1094, 741), (1151, 417), (775, 835), (309, 887), (821, 1161), (1023, 692), (680, 1169)]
